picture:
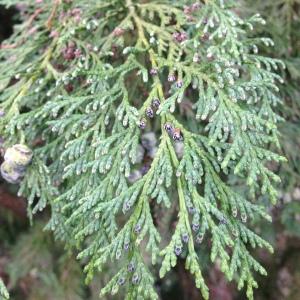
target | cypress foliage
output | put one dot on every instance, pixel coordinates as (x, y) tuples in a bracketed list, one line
[(284, 21), (132, 108)]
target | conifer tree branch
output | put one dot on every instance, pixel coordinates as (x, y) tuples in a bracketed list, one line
[(111, 82)]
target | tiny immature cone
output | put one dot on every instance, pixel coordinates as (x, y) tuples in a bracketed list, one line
[(18, 155), (10, 173), (16, 160)]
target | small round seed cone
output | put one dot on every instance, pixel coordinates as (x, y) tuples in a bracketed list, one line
[(10, 173), (18, 155)]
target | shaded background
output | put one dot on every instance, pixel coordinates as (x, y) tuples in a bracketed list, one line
[(34, 267)]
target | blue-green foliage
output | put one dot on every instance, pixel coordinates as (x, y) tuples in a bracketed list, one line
[(83, 112)]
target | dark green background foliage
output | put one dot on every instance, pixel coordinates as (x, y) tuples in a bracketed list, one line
[(159, 131)]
